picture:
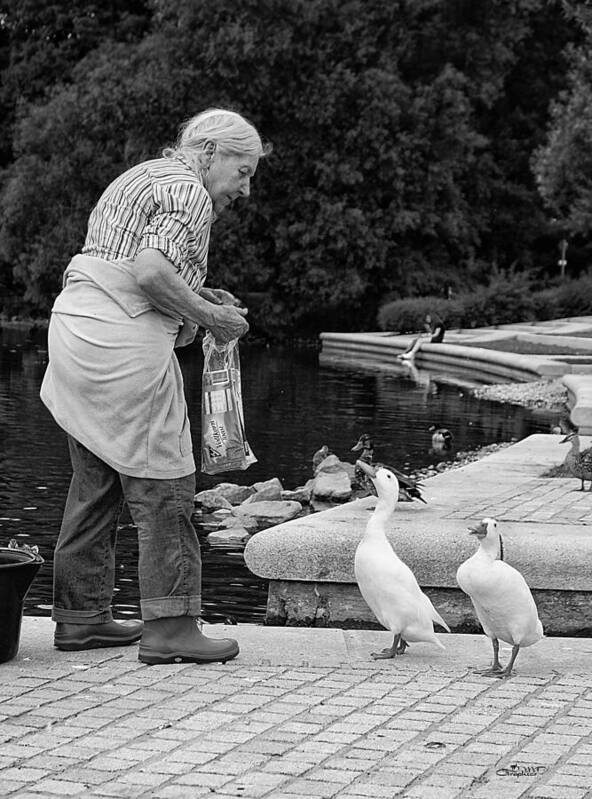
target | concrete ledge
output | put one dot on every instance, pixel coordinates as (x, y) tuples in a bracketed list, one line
[(544, 523), (340, 605), (484, 365), (579, 390), (567, 342)]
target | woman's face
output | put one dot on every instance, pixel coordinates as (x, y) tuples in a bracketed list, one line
[(228, 178)]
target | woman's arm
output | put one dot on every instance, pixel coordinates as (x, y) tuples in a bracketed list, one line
[(166, 289), (220, 296)]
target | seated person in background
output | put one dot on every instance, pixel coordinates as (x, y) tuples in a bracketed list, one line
[(434, 334)]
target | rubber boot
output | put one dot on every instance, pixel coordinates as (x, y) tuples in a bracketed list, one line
[(76, 637), (178, 639)]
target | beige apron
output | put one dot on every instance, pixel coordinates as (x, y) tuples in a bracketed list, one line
[(113, 381)]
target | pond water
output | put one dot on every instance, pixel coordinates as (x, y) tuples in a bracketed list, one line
[(292, 405)]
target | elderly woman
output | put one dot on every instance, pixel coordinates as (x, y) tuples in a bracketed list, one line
[(113, 383)]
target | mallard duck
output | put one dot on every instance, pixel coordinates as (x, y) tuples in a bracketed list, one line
[(578, 463), (501, 597), (409, 489), (441, 437), (388, 585)]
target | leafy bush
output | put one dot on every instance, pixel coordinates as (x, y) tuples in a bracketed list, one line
[(574, 298), (504, 300), (547, 305), (407, 315)]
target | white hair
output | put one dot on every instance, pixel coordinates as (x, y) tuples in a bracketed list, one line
[(230, 132)]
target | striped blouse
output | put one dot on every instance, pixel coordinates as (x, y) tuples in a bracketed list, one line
[(161, 204)]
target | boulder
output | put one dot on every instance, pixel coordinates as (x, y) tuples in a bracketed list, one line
[(267, 493), (235, 535), (267, 514), (350, 470), (221, 513), (332, 465), (301, 494), (248, 523), (234, 493), (329, 464), (266, 490), (335, 486), (211, 499), (263, 484)]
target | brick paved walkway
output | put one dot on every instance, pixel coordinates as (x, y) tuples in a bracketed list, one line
[(306, 713), (537, 500), (101, 724)]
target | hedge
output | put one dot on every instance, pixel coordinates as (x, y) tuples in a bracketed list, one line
[(503, 301)]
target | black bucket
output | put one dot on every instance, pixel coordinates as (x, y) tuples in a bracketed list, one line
[(17, 571)]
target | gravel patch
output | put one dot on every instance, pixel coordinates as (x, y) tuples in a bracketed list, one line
[(460, 459), (550, 394)]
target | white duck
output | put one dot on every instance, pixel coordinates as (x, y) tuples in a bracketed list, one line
[(501, 597), (387, 584)]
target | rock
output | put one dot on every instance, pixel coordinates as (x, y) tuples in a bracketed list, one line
[(211, 499), (332, 465), (267, 493), (267, 514), (235, 535), (301, 494), (350, 470), (274, 481), (234, 493), (335, 486), (329, 464), (248, 523)]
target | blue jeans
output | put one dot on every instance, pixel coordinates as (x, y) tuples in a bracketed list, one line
[(169, 566)]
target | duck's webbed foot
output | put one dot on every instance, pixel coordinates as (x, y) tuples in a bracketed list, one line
[(493, 671), (504, 673), (398, 647), (496, 669), (507, 672)]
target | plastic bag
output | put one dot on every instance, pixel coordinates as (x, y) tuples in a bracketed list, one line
[(224, 445)]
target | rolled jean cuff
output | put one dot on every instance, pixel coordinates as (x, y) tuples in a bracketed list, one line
[(166, 607), (65, 616)]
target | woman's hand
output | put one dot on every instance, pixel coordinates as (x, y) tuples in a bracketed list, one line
[(168, 292), (227, 323)]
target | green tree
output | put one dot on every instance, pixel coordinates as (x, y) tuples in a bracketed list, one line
[(41, 43), (402, 137), (42, 40), (563, 164)]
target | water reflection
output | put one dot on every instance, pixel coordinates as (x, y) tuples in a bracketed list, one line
[(292, 404)]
